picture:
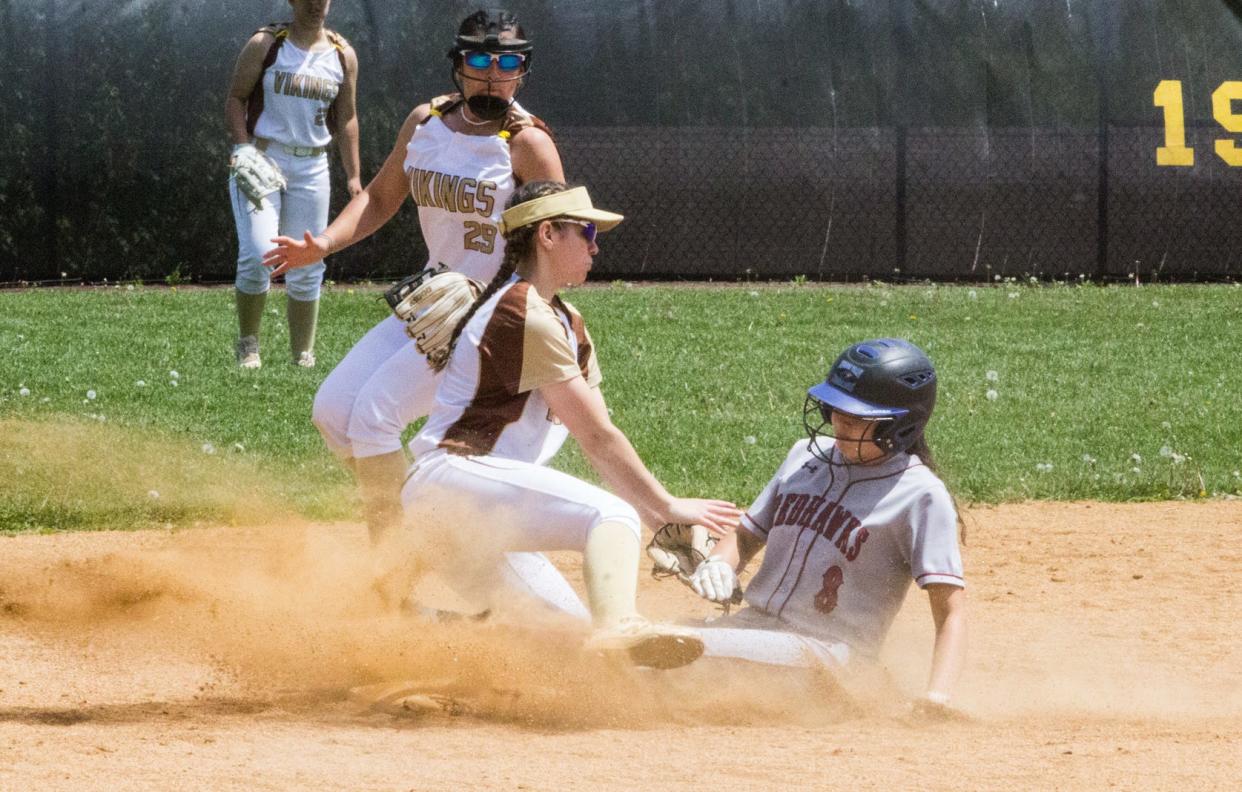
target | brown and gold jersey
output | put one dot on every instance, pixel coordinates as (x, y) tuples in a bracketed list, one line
[(488, 402)]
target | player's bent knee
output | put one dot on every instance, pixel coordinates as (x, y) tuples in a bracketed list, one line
[(373, 432), (250, 281), (304, 283), (331, 417), (619, 512)]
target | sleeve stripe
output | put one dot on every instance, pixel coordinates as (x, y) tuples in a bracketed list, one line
[(939, 574), (749, 524)]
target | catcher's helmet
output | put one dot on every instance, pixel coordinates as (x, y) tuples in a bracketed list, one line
[(888, 380), (481, 31)]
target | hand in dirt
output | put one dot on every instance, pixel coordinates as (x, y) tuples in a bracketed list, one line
[(926, 711)]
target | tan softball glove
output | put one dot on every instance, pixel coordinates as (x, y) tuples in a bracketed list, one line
[(256, 173), (431, 304)]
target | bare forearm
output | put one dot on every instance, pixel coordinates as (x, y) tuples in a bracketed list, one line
[(736, 548), (948, 655), (347, 146), (235, 119), (360, 218), (615, 459)]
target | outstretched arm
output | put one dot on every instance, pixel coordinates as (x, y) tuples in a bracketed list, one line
[(360, 218), (581, 408)]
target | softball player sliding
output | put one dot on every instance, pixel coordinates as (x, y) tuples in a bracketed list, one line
[(521, 377), (460, 158), (293, 84), (848, 523)]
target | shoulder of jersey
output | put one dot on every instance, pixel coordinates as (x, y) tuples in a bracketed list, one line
[(278, 30), (517, 120), (444, 103), (797, 456), (568, 307), (338, 41), (920, 469)]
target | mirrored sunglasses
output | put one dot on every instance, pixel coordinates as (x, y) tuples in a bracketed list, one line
[(588, 229), (507, 61)]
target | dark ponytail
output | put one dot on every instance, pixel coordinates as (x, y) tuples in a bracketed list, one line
[(923, 451), (517, 250)]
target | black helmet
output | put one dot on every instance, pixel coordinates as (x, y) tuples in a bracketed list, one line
[(481, 31), (888, 380)]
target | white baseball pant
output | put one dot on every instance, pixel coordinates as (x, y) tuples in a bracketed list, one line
[(301, 206), (382, 386), (479, 507), (753, 635)]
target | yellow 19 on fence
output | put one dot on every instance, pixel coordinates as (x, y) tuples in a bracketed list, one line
[(1175, 152)]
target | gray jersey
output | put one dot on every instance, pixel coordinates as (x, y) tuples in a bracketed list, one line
[(845, 541)]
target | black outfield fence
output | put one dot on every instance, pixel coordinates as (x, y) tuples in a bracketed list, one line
[(945, 139)]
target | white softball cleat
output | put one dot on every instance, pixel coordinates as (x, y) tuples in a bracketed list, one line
[(648, 644), (248, 352), (305, 360)]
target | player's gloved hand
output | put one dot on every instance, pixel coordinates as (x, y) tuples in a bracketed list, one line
[(255, 173), (714, 580)]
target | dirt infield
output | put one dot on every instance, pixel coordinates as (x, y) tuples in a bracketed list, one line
[(1105, 654)]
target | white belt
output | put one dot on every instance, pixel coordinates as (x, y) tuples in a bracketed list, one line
[(262, 144)]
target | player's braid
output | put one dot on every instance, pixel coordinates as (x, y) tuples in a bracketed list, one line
[(517, 249)]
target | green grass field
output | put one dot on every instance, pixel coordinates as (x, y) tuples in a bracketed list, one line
[(1047, 392)]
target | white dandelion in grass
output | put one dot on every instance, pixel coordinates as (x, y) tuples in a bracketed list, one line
[(1090, 460), (153, 494), (1043, 467), (174, 375), (991, 376), (991, 395), (140, 384), (1165, 425), (238, 447), (972, 294), (1136, 458), (45, 400), (752, 293), (1166, 451), (173, 383), (90, 395), (1237, 474), (208, 448), (750, 440), (24, 391), (1136, 471), (1013, 295)]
